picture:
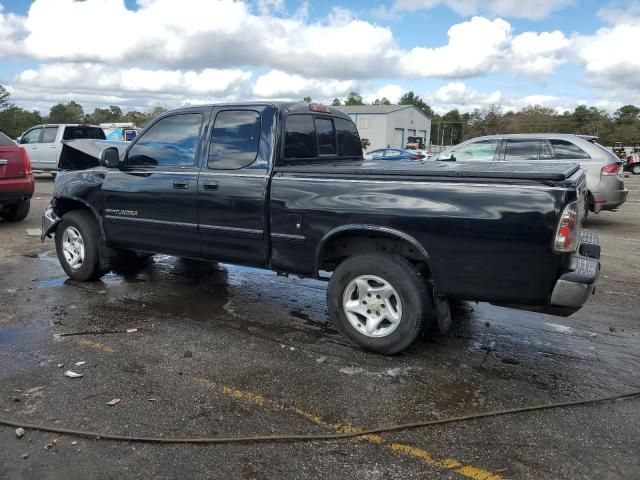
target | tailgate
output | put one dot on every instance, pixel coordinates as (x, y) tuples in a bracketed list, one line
[(11, 162)]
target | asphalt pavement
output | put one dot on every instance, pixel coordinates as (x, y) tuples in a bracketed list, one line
[(193, 349)]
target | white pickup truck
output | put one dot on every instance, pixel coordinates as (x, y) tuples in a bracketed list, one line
[(44, 142)]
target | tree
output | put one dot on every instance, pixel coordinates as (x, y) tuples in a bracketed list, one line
[(354, 98), (307, 100), (336, 102), (113, 114), (71, 112), (4, 99), (627, 115), (15, 120), (411, 98)]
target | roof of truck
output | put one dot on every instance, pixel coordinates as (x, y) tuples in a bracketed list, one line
[(287, 107)]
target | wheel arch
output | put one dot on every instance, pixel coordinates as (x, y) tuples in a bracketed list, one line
[(340, 243), (67, 204)]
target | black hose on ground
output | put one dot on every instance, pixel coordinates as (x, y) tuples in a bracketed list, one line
[(314, 436)]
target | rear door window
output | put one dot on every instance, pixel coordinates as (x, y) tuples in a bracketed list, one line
[(49, 135), (4, 140), (32, 136), (300, 137), (80, 132), (170, 142), (519, 150), (348, 139), (326, 136), (566, 150), (235, 139), (483, 150)]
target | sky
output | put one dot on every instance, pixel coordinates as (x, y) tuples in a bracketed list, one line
[(462, 54)]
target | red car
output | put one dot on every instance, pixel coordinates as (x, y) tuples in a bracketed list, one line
[(16, 180)]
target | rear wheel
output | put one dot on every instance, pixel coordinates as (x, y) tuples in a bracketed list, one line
[(379, 302), (15, 212), (636, 169), (78, 246)]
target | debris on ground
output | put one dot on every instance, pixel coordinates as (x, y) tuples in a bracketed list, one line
[(321, 359), (132, 330), (351, 370), (25, 455), (34, 232), (35, 390), (19, 432), (113, 402), (71, 374), (60, 365), (396, 372), (79, 364), (188, 354)]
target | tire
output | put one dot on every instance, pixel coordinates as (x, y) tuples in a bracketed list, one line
[(377, 271), (15, 212), (636, 169), (81, 227)]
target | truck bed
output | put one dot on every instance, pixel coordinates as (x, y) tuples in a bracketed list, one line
[(549, 171)]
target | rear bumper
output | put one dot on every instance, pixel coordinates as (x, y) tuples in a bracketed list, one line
[(577, 283), (610, 195), (8, 197)]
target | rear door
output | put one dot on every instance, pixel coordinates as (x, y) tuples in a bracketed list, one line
[(150, 203), (49, 148), (525, 150), (233, 182), (30, 140)]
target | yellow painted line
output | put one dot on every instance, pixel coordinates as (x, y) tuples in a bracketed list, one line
[(97, 345), (468, 471)]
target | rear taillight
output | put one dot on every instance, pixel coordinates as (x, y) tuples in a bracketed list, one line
[(611, 169), (568, 230), (26, 162)]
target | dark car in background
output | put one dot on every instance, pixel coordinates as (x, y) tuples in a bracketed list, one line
[(16, 180), (394, 154)]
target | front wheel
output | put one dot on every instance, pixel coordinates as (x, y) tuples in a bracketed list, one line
[(379, 302), (636, 169), (78, 246)]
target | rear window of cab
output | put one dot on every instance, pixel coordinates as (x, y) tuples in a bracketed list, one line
[(315, 136)]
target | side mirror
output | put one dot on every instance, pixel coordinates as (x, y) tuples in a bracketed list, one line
[(19, 140), (110, 158), (447, 157)]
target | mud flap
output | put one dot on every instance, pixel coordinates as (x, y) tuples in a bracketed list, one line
[(443, 313)]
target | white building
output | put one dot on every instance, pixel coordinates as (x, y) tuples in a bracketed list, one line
[(389, 125)]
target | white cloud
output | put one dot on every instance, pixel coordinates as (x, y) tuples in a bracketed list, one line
[(11, 31), (538, 54), (534, 10), (475, 47), (610, 56), (461, 96), (390, 92), (104, 84), (280, 85)]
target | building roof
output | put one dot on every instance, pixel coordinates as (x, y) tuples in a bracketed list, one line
[(376, 109)]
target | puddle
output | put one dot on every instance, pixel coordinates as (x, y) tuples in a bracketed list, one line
[(54, 282), (22, 344)]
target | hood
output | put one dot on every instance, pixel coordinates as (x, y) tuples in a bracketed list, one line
[(82, 154)]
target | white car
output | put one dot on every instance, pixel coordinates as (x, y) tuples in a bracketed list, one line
[(44, 142)]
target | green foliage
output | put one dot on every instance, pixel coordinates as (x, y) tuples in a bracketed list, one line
[(113, 114), (307, 100), (336, 102), (14, 120), (4, 99), (354, 98), (411, 98), (71, 112)]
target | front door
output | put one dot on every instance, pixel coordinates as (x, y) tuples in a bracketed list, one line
[(49, 148), (233, 184), (31, 142), (150, 202)]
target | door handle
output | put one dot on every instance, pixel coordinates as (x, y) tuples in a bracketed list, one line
[(210, 185), (52, 146), (180, 185)]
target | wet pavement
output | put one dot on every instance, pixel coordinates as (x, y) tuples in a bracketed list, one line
[(221, 350)]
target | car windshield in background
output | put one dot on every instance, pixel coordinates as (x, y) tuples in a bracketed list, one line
[(4, 140), (91, 133)]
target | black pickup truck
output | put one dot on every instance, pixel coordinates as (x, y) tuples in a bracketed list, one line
[(283, 186)]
